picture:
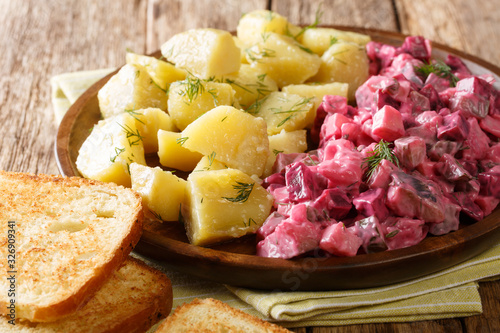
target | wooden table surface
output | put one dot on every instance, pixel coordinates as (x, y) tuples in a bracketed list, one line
[(40, 39)]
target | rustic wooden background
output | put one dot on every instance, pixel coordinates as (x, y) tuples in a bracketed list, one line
[(39, 39)]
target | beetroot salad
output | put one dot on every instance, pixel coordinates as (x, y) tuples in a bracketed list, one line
[(418, 155)]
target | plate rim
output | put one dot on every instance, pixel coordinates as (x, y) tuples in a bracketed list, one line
[(481, 235)]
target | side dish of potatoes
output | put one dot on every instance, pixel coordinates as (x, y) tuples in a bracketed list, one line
[(219, 107)]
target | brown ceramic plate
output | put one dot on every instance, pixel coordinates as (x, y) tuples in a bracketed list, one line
[(235, 262)]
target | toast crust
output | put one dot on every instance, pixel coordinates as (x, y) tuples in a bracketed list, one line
[(40, 196)]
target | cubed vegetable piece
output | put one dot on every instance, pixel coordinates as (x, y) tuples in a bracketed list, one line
[(162, 72), (451, 220), (238, 139), (371, 233), (411, 151), (250, 85), (333, 201), (190, 98), (318, 91), (286, 143), (344, 62), (372, 203), (252, 25), (455, 127), (242, 47), (404, 232), (203, 52), (283, 59), (342, 165), (173, 154), (223, 204), (107, 152), (491, 124), (162, 192), (319, 40), (130, 89), (388, 124), (148, 122), (283, 111), (340, 241)]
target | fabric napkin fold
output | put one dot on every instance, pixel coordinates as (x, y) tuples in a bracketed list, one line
[(446, 294)]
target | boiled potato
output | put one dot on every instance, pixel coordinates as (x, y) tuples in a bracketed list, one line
[(242, 47), (319, 40), (130, 89), (173, 154), (208, 163), (148, 122), (162, 192), (237, 138), (344, 62), (285, 142), (203, 52), (283, 111), (189, 99), (160, 71), (283, 59), (249, 85), (252, 25), (223, 204), (317, 92), (111, 147)]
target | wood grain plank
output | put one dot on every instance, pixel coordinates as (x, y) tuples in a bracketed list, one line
[(361, 13), (470, 26), (166, 18), (489, 321), (55, 37)]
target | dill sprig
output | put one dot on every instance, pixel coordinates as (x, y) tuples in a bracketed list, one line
[(133, 137), (440, 69), (182, 140), (134, 114), (257, 56), (118, 151), (244, 191), (193, 87), (296, 108), (313, 25), (382, 151)]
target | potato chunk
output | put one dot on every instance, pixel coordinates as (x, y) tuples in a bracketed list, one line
[(189, 99), (283, 111), (162, 73), (249, 85), (237, 138), (319, 40), (130, 89), (223, 204), (208, 163), (252, 25), (107, 152), (203, 52), (285, 142), (317, 92), (173, 154), (162, 192), (344, 62), (283, 59), (148, 122)]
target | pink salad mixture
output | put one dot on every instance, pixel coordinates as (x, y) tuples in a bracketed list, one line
[(441, 127)]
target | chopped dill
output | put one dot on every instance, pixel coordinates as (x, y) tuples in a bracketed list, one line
[(382, 151), (118, 151), (133, 137), (440, 69), (244, 191), (182, 140), (134, 114)]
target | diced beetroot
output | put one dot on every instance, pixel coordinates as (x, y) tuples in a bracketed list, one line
[(490, 182), (370, 232), (410, 150), (471, 188), (493, 153), (477, 143), (473, 97), (302, 184), (455, 127), (420, 102), (342, 163), (365, 94), (275, 178), (451, 170), (478, 86), (471, 166), (425, 131), (491, 124), (432, 95), (415, 197), (438, 83), (280, 195), (426, 168), (388, 124), (403, 232), (381, 177), (470, 208), (334, 104), (282, 160), (447, 94), (332, 127), (431, 118), (451, 219), (290, 239), (457, 66), (350, 131), (443, 147), (367, 129), (418, 47), (340, 241), (487, 204), (382, 99), (372, 203), (334, 201), (269, 225)]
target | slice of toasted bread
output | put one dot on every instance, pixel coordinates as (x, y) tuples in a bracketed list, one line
[(65, 238), (132, 300), (211, 315)]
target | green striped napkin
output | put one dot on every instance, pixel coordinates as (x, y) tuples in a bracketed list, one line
[(446, 294)]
